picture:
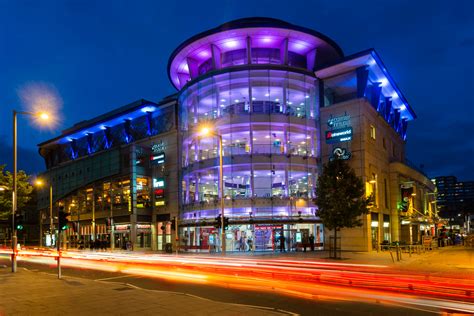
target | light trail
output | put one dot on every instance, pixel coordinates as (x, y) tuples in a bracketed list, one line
[(300, 278)]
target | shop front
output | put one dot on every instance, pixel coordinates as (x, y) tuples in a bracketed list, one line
[(253, 237)]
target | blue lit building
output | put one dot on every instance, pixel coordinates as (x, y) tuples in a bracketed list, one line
[(284, 99)]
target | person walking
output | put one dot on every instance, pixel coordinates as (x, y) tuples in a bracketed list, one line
[(249, 243), (282, 242), (311, 242)]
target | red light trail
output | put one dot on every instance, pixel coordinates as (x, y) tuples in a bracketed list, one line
[(301, 278)]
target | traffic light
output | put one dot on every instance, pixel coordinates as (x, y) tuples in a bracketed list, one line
[(19, 221), (218, 223), (173, 223), (226, 223), (63, 221)]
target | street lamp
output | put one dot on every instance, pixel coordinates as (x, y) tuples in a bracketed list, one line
[(206, 131), (44, 117)]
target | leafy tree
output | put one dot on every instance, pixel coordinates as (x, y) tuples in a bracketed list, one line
[(340, 197), (24, 190)]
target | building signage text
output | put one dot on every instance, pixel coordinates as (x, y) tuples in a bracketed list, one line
[(335, 122), (339, 135), (340, 153), (158, 147)]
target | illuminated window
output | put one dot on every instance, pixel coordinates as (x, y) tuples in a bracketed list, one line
[(143, 193), (372, 131), (371, 190)]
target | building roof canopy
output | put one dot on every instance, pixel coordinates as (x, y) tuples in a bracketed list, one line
[(377, 74)]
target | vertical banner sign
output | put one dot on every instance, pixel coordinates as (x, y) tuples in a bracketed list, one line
[(339, 131)]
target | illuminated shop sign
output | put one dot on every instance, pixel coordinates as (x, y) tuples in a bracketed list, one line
[(159, 193), (298, 237), (268, 227), (158, 183), (158, 147), (335, 122), (158, 159), (339, 135), (122, 227), (340, 153), (143, 226)]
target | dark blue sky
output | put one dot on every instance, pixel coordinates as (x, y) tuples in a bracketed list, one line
[(103, 54)]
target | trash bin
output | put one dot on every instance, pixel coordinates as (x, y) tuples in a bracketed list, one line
[(168, 248)]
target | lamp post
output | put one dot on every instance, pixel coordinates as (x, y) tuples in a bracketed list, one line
[(40, 183), (45, 117), (204, 132)]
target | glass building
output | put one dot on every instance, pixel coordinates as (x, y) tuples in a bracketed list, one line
[(252, 82), (284, 99)]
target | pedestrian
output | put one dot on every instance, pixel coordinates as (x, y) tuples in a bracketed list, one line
[(91, 244), (282, 242), (241, 243), (311, 242), (249, 242)]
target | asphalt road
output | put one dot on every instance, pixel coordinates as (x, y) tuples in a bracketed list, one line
[(316, 305)]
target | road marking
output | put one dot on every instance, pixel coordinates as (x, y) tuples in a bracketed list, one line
[(115, 277), (266, 308)]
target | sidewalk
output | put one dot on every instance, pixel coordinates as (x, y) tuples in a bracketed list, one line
[(36, 293)]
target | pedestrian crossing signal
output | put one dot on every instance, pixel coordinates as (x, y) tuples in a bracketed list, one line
[(19, 222), (63, 221)]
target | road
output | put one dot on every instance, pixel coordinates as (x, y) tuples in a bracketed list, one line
[(299, 287)]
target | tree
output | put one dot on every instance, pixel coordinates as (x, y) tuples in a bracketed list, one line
[(340, 197), (24, 190)]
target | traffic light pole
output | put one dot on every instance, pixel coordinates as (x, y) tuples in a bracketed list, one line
[(176, 233), (58, 244), (221, 178), (14, 193), (50, 210)]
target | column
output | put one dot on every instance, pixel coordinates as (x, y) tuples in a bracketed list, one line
[(196, 150), (362, 77), (251, 138), (216, 57), (284, 52), (193, 67), (311, 60), (133, 196), (154, 241), (249, 50), (285, 140), (93, 212), (196, 190), (186, 198)]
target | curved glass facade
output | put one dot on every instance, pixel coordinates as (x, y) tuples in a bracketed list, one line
[(268, 123)]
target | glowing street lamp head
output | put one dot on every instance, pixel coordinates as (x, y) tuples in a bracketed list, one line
[(43, 101), (204, 131), (44, 116), (39, 182)]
